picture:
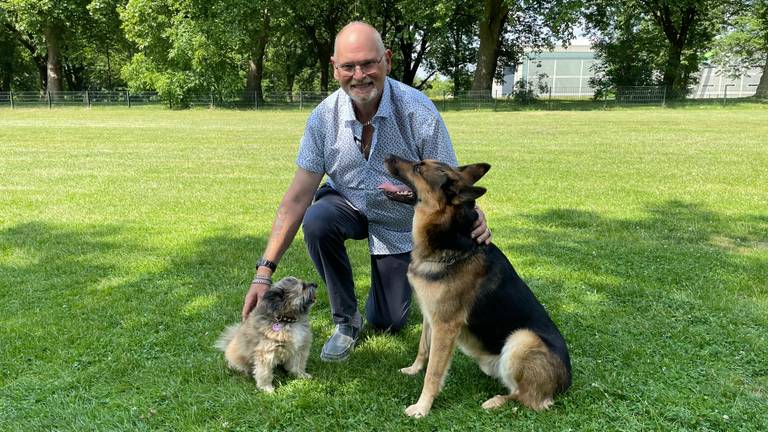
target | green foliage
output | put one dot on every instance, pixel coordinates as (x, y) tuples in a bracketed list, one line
[(526, 91), (438, 87), (186, 47), (17, 70), (744, 44), (643, 42), (454, 50)]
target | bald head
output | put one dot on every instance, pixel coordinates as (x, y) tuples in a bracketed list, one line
[(358, 33)]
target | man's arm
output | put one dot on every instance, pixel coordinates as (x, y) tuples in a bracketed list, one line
[(290, 213)]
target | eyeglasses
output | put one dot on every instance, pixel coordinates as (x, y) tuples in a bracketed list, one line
[(366, 67)]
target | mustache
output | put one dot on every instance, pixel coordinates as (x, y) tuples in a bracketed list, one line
[(366, 80)]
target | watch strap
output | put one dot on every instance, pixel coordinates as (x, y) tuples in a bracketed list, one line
[(263, 262)]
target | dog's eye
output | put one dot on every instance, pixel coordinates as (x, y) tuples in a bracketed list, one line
[(417, 168)]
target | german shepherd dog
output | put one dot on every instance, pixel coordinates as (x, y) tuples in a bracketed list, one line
[(470, 295)]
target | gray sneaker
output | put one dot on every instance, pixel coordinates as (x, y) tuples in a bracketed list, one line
[(341, 343)]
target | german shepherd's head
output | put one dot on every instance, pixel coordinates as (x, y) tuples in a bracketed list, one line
[(437, 183), (445, 202)]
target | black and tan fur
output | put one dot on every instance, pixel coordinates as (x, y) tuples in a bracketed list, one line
[(276, 332), (471, 296)]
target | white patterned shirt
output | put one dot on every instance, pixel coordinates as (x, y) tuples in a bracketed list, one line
[(406, 124)]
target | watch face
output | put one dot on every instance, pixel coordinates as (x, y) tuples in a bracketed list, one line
[(267, 263)]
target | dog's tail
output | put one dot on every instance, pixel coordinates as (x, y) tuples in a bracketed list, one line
[(226, 337)]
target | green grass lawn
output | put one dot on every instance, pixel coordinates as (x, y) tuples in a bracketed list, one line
[(128, 239)]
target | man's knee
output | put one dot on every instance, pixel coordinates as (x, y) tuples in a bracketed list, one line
[(386, 323), (318, 223)]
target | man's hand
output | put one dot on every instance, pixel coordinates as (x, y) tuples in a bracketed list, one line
[(480, 231), (255, 293)]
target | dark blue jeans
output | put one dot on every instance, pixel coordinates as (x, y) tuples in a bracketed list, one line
[(328, 223)]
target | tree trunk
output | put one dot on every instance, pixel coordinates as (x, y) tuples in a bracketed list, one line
[(324, 57), (491, 25), (253, 90), (762, 87), (672, 79), (52, 42), (412, 64)]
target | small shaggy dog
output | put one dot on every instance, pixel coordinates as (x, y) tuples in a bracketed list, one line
[(276, 333)]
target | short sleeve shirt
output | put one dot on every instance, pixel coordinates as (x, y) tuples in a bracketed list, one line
[(406, 124)]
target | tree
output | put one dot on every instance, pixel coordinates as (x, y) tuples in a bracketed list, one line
[(194, 46), (17, 69), (670, 37), (744, 45), (455, 48), (319, 21), (508, 28), (687, 24), (43, 29), (409, 28)]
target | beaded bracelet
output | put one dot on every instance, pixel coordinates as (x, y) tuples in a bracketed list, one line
[(261, 280)]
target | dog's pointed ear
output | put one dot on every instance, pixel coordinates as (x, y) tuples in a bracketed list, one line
[(470, 193), (474, 172)]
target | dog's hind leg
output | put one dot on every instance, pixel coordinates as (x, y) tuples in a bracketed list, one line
[(236, 360), (529, 370), (423, 354)]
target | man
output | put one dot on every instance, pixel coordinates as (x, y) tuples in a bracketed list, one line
[(347, 138)]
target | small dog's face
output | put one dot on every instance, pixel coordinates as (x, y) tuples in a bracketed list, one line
[(289, 297), (436, 182)]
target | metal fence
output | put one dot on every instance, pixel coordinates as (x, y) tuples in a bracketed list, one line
[(537, 97)]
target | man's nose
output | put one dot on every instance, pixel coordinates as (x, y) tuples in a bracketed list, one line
[(355, 72)]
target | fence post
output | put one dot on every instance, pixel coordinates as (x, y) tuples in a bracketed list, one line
[(256, 99), (212, 105), (301, 100), (87, 99), (549, 101), (128, 97), (725, 92), (48, 96), (444, 102), (664, 97), (11, 97)]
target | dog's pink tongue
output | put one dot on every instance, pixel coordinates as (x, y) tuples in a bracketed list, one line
[(389, 187)]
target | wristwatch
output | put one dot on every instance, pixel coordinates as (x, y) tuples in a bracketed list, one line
[(263, 262)]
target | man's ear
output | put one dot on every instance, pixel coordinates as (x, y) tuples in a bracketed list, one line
[(333, 67), (473, 173)]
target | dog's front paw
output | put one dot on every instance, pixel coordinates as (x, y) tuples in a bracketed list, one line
[(416, 411), (267, 389), (303, 375), (411, 370)]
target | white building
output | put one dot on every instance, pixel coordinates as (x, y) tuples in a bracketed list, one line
[(566, 73)]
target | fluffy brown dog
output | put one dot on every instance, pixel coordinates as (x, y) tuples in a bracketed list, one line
[(471, 296), (276, 333)]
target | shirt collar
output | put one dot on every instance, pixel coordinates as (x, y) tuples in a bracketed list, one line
[(347, 113)]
